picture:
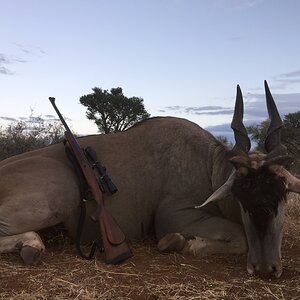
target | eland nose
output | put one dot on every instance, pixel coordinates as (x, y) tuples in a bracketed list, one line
[(265, 269)]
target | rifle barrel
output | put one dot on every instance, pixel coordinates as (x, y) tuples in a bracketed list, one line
[(52, 100)]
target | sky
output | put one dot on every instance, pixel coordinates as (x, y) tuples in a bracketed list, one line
[(183, 57)]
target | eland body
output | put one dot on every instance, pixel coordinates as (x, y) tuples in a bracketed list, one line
[(175, 181)]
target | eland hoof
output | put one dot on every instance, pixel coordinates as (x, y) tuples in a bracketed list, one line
[(30, 255), (172, 242)]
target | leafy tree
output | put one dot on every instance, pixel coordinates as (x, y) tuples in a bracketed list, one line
[(112, 111), (290, 135), (258, 133)]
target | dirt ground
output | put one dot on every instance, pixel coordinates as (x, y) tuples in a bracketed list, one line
[(62, 274)]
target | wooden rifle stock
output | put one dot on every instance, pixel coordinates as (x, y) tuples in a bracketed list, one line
[(114, 243)]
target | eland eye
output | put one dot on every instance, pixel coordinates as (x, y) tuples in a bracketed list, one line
[(247, 183), (268, 181)]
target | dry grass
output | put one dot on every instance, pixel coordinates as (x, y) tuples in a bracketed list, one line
[(151, 275), (292, 230)]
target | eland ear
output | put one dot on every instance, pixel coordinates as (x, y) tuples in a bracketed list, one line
[(222, 192), (293, 183)]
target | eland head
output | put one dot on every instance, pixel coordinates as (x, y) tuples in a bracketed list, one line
[(260, 183)]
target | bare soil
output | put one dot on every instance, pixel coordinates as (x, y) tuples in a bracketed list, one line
[(62, 274)]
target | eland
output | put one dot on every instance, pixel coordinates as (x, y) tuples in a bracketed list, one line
[(176, 182)]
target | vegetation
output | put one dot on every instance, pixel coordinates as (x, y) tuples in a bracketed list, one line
[(290, 135), (223, 139), (112, 111), (23, 136)]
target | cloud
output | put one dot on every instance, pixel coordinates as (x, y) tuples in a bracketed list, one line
[(255, 105), (291, 74), (50, 117), (9, 60), (5, 71), (31, 119), (40, 50), (286, 79), (199, 110), (203, 108), (6, 60), (30, 50), (222, 130), (255, 111), (225, 130), (175, 108), (214, 113), (22, 48), (8, 119), (219, 128)]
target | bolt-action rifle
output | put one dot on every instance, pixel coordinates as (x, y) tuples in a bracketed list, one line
[(114, 243)]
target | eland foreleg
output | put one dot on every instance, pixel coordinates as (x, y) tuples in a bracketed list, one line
[(29, 244), (198, 232)]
